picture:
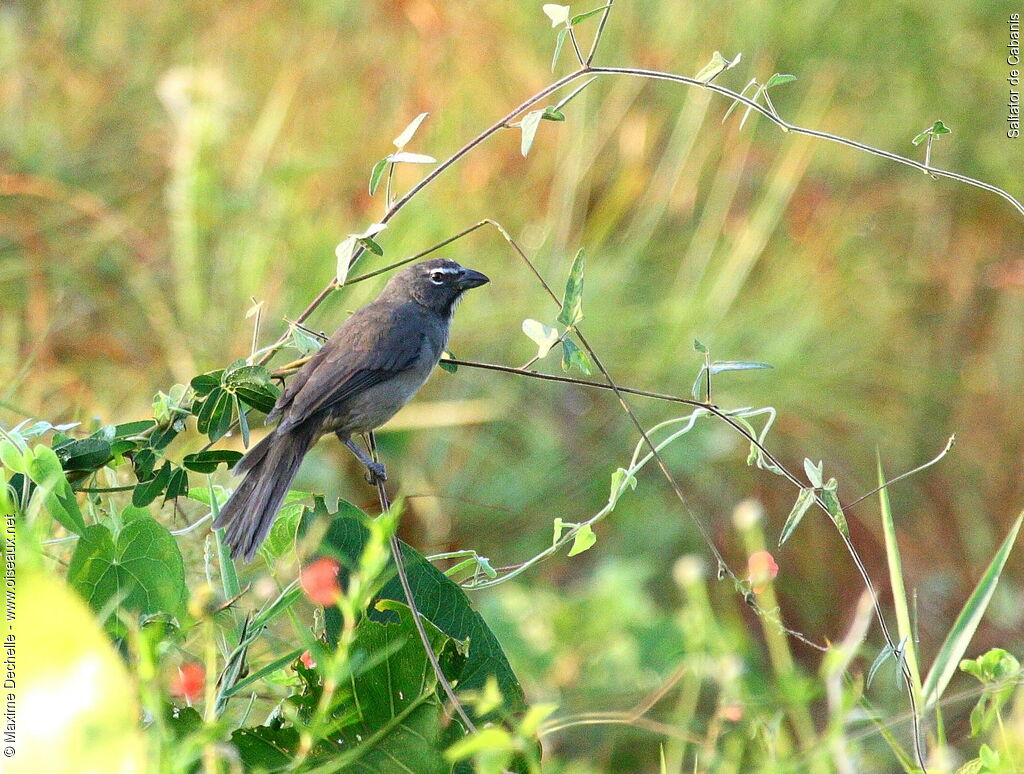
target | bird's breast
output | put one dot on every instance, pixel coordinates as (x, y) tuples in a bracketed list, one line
[(372, 407)]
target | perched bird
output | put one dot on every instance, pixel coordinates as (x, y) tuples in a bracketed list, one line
[(372, 365)]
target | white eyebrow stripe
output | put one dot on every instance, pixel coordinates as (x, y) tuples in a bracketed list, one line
[(447, 270)]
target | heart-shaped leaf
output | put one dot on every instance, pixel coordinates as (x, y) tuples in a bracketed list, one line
[(142, 569), (559, 14), (544, 336), (572, 300), (528, 126)]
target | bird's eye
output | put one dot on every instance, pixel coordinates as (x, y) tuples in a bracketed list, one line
[(437, 277)]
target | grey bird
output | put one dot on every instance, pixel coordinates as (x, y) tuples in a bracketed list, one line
[(372, 365)]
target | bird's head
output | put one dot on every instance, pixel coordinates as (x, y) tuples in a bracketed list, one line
[(437, 284)]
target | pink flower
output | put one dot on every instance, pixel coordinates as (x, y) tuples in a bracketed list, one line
[(189, 682), (319, 581), (731, 712), (307, 660), (761, 569)]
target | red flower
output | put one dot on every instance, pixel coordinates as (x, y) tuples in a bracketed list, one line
[(189, 682), (320, 581), (307, 660), (762, 570)]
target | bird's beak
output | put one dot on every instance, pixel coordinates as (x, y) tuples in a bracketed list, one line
[(472, 279)]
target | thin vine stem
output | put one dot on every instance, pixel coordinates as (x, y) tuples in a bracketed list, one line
[(821, 135), (587, 69), (403, 579)]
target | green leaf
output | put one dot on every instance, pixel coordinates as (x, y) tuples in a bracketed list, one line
[(204, 384), (721, 366), (11, 457), (486, 740), (449, 367), (162, 436), (584, 539), (700, 384), (132, 429), (572, 300), (559, 526), (814, 473), (201, 494), (966, 623), (804, 500), (898, 655), (528, 126), (144, 461), (371, 245), (177, 485), (832, 505), (397, 699), (207, 461), (545, 337), (376, 174), (305, 343), (266, 748), (344, 252), (209, 408), (553, 114), (387, 710), (148, 491), (999, 673), (438, 599), (995, 666), (584, 16), (716, 65), (43, 466), (883, 655), (975, 766), (899, 594), (281, 538), (699, 347), (264, 671), (220, 419), (83, 453), (621, 479), (243, 422), (932, 131), (574, 357), (778, 79), (142, 569), (254, 386), (559, 42), (990, 758)]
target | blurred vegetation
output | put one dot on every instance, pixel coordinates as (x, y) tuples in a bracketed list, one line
[(165, 164)]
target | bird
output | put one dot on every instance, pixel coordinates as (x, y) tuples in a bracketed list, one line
[(372, 366)]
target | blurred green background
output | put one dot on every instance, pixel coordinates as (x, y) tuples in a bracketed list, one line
[(162, 164)]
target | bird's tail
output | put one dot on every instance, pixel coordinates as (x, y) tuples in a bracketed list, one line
[(270, 467)]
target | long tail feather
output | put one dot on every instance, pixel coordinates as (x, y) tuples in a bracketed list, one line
[(270, 466)]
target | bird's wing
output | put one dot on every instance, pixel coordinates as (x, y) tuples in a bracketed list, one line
[(375, 344)]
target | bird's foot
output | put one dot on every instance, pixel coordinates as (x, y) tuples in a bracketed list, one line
[(376, 473)]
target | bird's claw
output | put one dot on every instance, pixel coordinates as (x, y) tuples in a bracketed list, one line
[(376, 473)]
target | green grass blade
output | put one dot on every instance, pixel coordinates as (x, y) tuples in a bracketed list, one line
[(967, 622), (899, 592)]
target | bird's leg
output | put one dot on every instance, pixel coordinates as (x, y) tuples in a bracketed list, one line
[(376, 470)]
